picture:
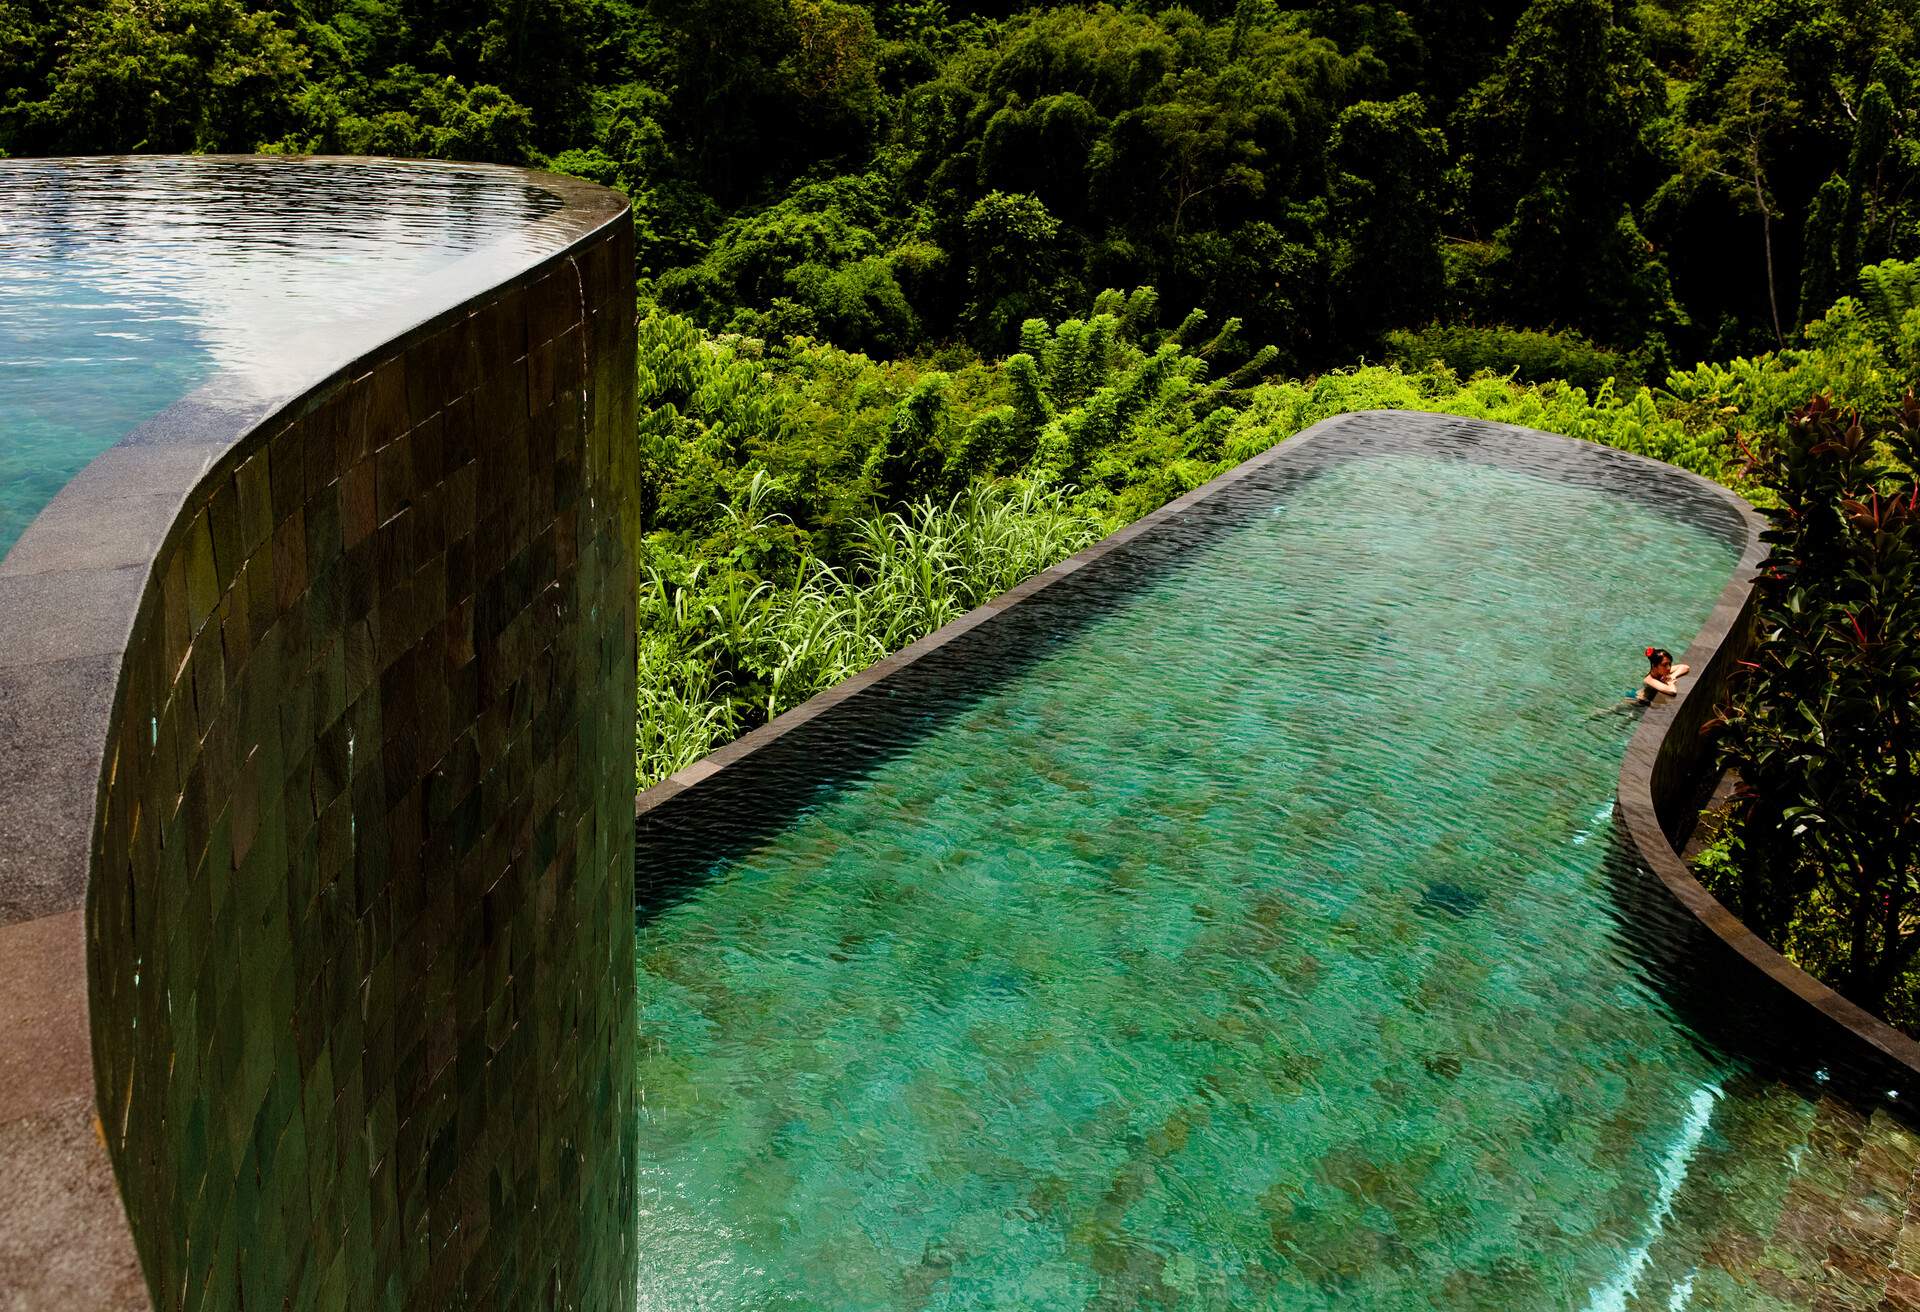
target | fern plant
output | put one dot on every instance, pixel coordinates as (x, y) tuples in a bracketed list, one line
[(1890, 291)]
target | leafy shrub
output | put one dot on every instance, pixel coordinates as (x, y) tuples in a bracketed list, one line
[(1890, 291), (1824, 727), (820, 263), (1849, 356), (1523, 353)]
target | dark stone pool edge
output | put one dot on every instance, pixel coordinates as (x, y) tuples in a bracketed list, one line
[(1661, 775), (191, 488), (1663, 779)]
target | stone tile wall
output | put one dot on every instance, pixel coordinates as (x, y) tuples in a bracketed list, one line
[(359, 916)]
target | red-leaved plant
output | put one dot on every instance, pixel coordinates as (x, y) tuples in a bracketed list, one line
[(1822, 721)]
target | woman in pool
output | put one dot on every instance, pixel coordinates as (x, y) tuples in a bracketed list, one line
[(1663, 677)]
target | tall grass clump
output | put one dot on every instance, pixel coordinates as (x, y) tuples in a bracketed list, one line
[(722, 651)]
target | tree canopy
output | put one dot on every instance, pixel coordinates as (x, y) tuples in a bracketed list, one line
[(1665, 179)]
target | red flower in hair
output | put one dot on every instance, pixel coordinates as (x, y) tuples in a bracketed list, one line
[(1649, 653)]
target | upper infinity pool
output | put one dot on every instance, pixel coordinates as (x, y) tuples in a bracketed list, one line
[(1229, 926), (125, 284)]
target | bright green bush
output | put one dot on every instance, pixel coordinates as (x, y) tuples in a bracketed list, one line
[(826, 261), (1521, 353)]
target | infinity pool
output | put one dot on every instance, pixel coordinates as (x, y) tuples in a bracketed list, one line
[(1228, 927), (125, 284)]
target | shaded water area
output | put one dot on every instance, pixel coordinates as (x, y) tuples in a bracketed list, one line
[(125, 284), (1235, 925)]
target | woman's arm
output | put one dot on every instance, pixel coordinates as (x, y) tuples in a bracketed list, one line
[(1679, 670), (1667, 688)]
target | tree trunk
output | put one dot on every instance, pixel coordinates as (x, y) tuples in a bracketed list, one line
[(1766, 235)]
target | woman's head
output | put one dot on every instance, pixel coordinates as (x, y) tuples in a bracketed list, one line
[(1658, 658)]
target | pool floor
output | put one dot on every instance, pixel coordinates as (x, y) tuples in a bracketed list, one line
[(1246, 943)]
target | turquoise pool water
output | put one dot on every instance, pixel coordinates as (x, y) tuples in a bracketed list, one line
[(1248, 943), (125, 284)]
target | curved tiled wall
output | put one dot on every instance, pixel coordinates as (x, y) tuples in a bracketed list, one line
[(358, 929)]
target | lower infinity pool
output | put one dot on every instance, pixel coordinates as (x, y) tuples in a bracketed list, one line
[(1229, 926)]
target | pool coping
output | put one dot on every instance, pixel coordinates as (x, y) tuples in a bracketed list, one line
[(1651, 749), (70, 589)]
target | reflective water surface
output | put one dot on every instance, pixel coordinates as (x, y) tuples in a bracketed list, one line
[(1235, 926), (127, 283)]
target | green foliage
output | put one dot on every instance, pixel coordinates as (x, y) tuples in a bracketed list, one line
[(1849, 355), (1871, 138), (1823, 726), (631, 152), (445, 120), (721, 649), (187, 75), (1385, 169), (826, 261), (1530, 356), (1733, 152), (1163, 148), (1890, 302), (1820, 268), (1773, 104), (1017, 260), (1560, 142)]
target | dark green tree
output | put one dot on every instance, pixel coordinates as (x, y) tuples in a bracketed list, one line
[(1018, 255), (1558, 142), (1385, 169), (629, 148), (1820, 272), (1815, 61), (1735, 151), (764, 88), (164, 75), (1871, 137)]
